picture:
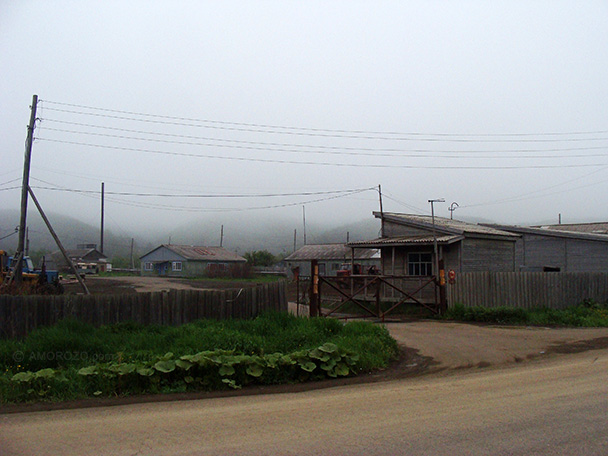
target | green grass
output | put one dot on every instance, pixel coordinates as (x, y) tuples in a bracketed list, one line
[(586, 314), (71, 345)]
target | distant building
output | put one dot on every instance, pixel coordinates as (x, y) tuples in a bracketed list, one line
[(188, 261), (86, 258), (329, 257)]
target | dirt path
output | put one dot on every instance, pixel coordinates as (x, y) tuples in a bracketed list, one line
[(548, 408), (458, 345)]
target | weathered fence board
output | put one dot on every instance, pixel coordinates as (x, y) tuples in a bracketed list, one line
[(527, 289), (21, 314)]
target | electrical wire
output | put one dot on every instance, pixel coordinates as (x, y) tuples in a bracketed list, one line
[(291, 162), (257, 125), (446, 154), (307, 146)]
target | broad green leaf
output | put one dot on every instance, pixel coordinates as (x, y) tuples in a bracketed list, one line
[(342, 369), (23, 377), (145, 371), (91, 370), (255, 370), (308, 366), (126, 368), (318, 354), (45, 373), (165, 366), (183, 364), (231, 383), (328, 347), (226, 370)]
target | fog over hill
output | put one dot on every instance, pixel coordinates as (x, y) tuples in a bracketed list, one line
[(241, 234)]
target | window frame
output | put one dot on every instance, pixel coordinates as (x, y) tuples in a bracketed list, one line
[(419, 266)]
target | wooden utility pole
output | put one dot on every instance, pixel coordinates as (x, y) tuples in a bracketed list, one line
[(304, 222), (381, 211), (102, 201), (58, 242), (222, 237), (295, 238), (24, 190)]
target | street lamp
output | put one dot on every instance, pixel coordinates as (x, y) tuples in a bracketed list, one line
[(432, 201)]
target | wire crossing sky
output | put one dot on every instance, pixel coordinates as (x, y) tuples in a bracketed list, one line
[(202, 109)]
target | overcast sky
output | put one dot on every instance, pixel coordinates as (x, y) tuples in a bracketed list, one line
[(501, 107)]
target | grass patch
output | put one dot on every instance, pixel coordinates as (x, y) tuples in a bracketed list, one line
[(586, 314), (73, 360)]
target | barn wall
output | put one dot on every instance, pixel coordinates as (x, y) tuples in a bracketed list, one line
[(480, 255)]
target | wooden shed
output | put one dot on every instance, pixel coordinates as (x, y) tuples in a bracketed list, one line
[(407, 246)]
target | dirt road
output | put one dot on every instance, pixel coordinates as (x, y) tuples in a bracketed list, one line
[(552, 407)]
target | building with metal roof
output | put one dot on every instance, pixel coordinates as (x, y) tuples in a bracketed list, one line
[(188, 260), (408, 244), (330, 257), (564, 248)]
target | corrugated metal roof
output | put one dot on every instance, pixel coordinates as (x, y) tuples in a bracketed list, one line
[(555, 233), (330, 252), (591, 228), (408, 240), (202, 253), (442, 224)]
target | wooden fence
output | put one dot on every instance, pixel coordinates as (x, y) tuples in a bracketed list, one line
[(527, 289), (21, 314)]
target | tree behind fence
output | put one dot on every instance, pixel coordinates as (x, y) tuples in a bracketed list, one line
[(21, 314)]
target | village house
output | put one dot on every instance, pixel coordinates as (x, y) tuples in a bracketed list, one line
[(330, 258), (408, 241), (86, 258), (188, 261)]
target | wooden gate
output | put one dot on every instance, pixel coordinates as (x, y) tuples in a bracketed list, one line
[(373, 296)]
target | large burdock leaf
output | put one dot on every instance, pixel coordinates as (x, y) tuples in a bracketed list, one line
[(308, 366), (183, 364), (23, 377), (328, 347), (126, 368), (342, 369), (45, 373), (231, 383), (91, 370), (255, 370), (145, 371), (226, 370), (165, 366), (317, 353)]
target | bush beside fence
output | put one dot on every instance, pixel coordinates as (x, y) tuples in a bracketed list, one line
[(21, 314)]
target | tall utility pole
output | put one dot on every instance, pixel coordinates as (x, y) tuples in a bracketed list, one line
[(304, 222), (102, 201), (295, 239), (381, 211), (222, 237), (24, 190), (441, 200)]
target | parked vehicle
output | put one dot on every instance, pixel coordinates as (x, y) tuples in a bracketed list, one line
[(35, 281)]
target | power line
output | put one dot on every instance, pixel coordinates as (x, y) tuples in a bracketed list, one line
[(297, 132), (165, 195), (257, 125), (334, 151), (291, 162)]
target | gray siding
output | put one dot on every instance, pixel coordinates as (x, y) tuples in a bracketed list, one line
[(533, 252), (394, 229), (480, 255)]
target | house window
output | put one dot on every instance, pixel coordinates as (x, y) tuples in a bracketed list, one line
[(147, 266), (322, 268), (176, 266), (419, 264)]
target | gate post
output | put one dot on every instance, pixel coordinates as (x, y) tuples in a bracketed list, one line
[(443, 302), (314, 289)]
